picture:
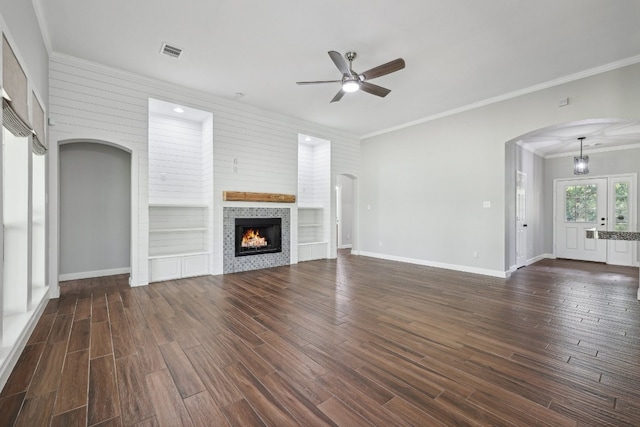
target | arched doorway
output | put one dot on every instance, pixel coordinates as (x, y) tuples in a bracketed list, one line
[(545, 155), (97, 209)]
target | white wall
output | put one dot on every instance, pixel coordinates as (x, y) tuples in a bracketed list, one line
[(89, 101), (95, 210), (176, 160), (426, 184)]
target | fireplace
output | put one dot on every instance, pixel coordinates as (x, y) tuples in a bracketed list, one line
[(254, 236)]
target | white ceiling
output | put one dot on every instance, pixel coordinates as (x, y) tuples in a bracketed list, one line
[(457, 52)]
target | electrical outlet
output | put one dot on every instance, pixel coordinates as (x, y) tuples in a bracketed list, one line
[(475, 254)]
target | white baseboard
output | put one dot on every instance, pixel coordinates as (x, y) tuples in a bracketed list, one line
[(345, 246), (13, 354), (90, 274), (539, 258), (456, 267)]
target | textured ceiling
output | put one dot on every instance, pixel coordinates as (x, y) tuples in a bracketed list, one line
[(457, 52)]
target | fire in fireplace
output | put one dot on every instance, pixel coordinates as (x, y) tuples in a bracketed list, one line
[(255, 236)]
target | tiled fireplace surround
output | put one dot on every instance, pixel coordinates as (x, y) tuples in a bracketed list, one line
[(233, 264)]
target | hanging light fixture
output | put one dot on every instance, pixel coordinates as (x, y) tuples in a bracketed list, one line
[(581, 163)]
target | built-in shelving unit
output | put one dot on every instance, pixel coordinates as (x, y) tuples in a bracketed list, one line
[(311, 233), (180, 189), (314, 157), (178, 241)]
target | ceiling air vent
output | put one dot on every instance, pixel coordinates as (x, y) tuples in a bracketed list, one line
[(171, 51)]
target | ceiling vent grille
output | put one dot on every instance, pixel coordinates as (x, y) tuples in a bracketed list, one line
[(171, 51)]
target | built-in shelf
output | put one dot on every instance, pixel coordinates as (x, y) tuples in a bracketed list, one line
[(311, 233), (177, 230), (178, 241)]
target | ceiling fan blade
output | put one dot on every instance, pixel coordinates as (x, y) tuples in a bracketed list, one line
[(374, 89), (384, 69), (318, 82), (338, 96), (340, 62)]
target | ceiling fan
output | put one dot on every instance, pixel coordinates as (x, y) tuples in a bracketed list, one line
[(352, 81)]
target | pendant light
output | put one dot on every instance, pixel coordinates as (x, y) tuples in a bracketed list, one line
[(581, 163)]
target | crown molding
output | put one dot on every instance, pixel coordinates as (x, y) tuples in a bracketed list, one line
[(531, 89)]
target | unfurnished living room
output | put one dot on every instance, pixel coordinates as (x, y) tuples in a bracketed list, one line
[(414, 213)]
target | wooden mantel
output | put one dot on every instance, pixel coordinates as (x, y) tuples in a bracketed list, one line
[(244, 196)]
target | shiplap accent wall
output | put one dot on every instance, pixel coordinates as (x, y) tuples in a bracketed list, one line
[(207, 180), (305, 175), (314, 179), (176, 160), (89, 101)]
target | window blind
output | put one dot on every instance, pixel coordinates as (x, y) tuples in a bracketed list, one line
[(14, 93)]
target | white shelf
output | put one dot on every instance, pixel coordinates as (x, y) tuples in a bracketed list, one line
[(310, 225), (173, 255), (177, 205), (311, 243), (177, 230)]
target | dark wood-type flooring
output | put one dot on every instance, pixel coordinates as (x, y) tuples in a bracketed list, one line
[(352, 342)]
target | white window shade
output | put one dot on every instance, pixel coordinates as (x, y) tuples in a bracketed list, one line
[(39, 140), (15, 107)]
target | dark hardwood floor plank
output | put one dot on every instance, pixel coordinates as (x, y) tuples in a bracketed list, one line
[(10, 407), (99, 312), (184, 375), (302, 409), (80, 335), (167, 403), (341, 414), (241, 414), (83, 309), (61, 328), (135, 400), (74, 418), (270, 409), (47, 374), (101, 343), (43, 328), (216, 381), (73, 391), (122, 339), (103, 403), (205, 411), (36, 411), (22, 374)]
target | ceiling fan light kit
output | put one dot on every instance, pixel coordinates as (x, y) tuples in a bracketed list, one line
[(352, 81)]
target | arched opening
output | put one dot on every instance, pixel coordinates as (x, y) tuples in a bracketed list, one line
[(97, 209), (546, 155)]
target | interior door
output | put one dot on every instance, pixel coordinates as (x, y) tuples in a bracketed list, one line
[(581, 204), (521, 219), (622, 218)]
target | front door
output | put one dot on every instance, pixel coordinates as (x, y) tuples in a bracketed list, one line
[(581, 204)]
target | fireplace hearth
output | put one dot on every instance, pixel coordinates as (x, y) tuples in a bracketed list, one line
[(255, 236)]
